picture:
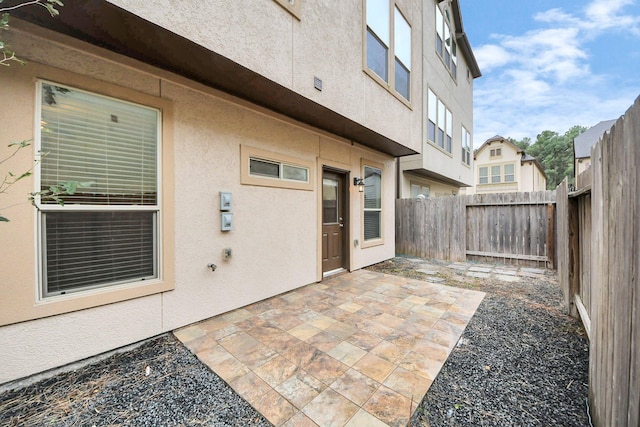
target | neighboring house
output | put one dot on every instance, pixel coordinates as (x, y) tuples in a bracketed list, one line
[(221, 151), (444, 164), (503, 167), (582, 145)]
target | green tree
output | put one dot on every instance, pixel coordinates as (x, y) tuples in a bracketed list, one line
[(555, 154), (8, 57), (523, 143)]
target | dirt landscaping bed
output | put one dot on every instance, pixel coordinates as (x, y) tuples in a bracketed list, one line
[(520, 362)]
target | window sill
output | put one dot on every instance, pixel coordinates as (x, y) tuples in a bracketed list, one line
[(82, 300), (372, 243), (293, 9), (442, 150), (386, 86)]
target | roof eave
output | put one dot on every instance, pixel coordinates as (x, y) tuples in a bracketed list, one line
[(108, 26), (463, 41)]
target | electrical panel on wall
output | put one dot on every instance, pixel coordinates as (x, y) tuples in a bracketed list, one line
[(226, 221), (225, 201)]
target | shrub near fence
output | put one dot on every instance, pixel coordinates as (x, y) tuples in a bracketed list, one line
[(599, 263), (513, 228)]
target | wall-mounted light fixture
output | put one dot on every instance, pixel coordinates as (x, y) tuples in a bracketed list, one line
[(359, 182)]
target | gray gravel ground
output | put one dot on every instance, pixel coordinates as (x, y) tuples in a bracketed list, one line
[(520, 362), (179, 390)]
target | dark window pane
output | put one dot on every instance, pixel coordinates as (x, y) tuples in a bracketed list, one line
[(402, 80), (440, 138), (439, 45), (264, 168), (448, 148), (377, 55), (84, 250), (372, 226), (431, 131)]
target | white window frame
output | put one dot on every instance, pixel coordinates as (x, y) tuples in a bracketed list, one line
[(484, 169), (466, 146), (389, 36), (419, 189), (495, 175), (448, 53), (44, 208), (439, 116)]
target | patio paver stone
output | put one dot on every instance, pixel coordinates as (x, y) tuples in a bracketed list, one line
[(359, 349)]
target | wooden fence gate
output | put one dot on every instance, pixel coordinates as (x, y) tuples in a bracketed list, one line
[(517, 228)]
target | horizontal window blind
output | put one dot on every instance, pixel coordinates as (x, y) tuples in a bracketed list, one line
[(110, 143), (88, 249), (372, 203)]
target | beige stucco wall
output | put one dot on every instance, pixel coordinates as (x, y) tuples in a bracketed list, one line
[(326, 42), (275, 237), (582, 165), (436, 188), (457, 95), (483, 158), (532, 178), (528, 176)]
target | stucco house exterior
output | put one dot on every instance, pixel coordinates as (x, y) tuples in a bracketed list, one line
[(503, 167), (226, 157), (582, 145), (445, 162)]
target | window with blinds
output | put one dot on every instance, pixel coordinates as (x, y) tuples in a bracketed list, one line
[(372, 203), (106, 233)]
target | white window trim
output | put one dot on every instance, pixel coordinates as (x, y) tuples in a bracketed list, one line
[(453, 50), (447, 127), (391, 56), (466, 146)]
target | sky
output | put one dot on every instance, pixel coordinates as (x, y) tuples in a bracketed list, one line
[(551, 65)]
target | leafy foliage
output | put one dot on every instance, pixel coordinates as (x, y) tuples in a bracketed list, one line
[(7, 55), (554, 152)]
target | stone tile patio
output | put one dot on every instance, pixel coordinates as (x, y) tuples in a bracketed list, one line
[(359, 349)]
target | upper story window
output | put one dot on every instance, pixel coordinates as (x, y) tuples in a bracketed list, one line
[(499, 174), (388, 52), (440, 123), (495, 152), (107, 232), (466, 146), (445, 41)]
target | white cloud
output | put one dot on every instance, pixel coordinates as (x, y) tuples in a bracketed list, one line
[(542, 80), (491, 56)]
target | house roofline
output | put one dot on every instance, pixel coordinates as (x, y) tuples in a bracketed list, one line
[(519, 150), (108, 26), (463, 41)]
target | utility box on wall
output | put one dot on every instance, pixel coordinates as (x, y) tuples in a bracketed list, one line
[(226, 222)]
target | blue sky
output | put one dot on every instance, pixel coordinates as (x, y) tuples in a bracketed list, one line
[(550, 65)]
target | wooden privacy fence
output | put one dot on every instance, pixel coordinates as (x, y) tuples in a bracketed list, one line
[(511, 227), (598, 268)]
